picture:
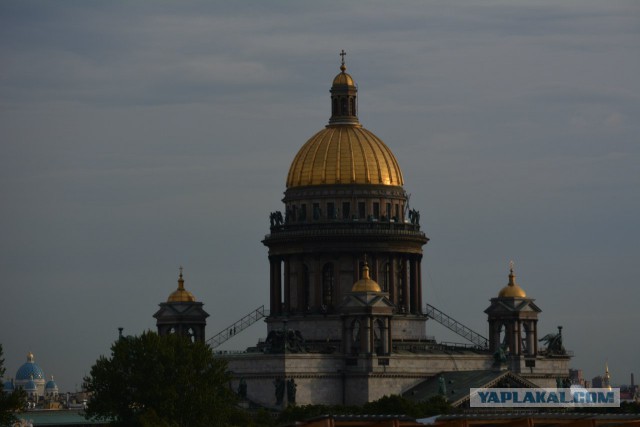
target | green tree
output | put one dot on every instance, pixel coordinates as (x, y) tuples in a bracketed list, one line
[(163, 381), (9, 402)]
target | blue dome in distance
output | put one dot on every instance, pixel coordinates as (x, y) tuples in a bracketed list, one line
[(51, 385), (29, 370), (30, 386)]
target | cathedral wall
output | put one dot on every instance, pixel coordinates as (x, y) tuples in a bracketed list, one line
[(408, 328), (317, 377), (324, 379), (312, 327), (546, 371)]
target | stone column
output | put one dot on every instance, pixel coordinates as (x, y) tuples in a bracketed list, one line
[(287, 285), (517, 329), (413, 285), (405, 285), (535, 337), (387, 322), (392, 280), (420, 302), (272, 287), (278, 284)]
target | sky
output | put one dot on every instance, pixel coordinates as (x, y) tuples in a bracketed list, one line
[(139, 136)]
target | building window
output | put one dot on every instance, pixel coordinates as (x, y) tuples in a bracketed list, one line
[(316, 211), (346, 210), (327, 285), (361, 210), (376, 210), (331, 210), (388, 212), (303, 213)]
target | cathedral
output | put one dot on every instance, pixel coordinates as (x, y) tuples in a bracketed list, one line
[(347, 322)]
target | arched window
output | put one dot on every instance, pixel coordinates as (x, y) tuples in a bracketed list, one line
[(327, 285), (344, 107), (353, 106)]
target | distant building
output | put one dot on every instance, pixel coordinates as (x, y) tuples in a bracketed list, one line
[(30, 377), (597, 381), (576, 377)]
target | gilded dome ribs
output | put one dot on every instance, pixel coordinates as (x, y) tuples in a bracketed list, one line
[(338, 163), (365, 160), (344, 152), (324, 160)]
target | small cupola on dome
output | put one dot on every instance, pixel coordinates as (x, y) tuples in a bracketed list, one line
[(344, 101), (181, 294), (51, 385), (512, 290), (366, 284)]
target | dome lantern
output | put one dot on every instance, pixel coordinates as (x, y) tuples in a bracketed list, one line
[(181, 294), (344, 102), (512, 290)]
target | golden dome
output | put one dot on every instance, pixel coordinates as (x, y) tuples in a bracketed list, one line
[(512, 290), (344, 154), (343, 79), (366, 284), (181, 294)]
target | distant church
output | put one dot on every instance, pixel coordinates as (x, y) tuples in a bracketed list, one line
[(30, 378), (346, 321)]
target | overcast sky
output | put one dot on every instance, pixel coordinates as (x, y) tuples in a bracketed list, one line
[(140, 136)]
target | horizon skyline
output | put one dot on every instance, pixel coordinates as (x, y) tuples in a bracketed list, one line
[(144, 137)]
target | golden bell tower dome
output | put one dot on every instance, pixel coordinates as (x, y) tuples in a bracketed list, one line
[(366, 284), (344, 152), (181, 294), (512, 290)]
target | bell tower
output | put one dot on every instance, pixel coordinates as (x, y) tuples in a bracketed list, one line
[(513, 326), (182, 314), (366, 318)]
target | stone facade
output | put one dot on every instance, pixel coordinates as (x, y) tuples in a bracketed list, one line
[(335, 380)]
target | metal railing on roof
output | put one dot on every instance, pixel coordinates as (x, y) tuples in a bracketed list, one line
[(237, 327), (457, 327)]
